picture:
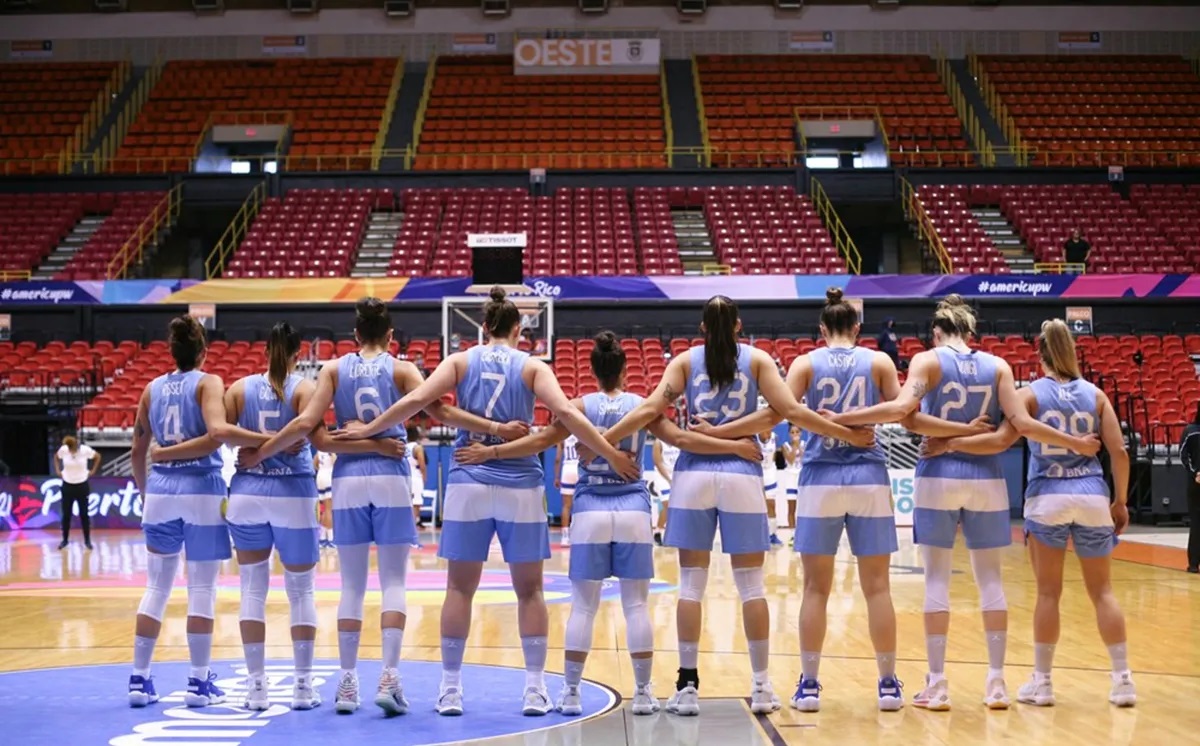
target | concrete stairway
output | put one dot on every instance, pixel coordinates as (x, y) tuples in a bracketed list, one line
[(66, 250), (1005, 238), (695, 242), (378, 243)]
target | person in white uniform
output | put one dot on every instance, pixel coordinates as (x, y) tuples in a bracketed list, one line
[(665, 456), (418, 469), (793, 454), (766, 441), (566, 474), (74, 463), (324, 464)]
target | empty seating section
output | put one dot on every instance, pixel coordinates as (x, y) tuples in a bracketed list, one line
[(129, 211), (656, 229), (41, 105), (481, 115), (769, 230), (751, 104), (1101, 111), (1174, 212), (971, 250), (25, 367), (308, 233), (334, 107)]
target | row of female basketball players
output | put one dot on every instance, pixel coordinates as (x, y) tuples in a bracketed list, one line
[(494, 490)]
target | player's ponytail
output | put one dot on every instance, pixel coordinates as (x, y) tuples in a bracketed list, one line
[(954, 317), (838, 317), (282, 347), (720, 340), (186, 337), (500, 315), (608, 361), (1057, 349)]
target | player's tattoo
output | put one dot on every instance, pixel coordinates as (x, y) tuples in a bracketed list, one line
[(920, 389), (139, 429), (669, 394)]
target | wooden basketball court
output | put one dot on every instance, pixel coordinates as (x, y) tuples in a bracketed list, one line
[(75, 608)]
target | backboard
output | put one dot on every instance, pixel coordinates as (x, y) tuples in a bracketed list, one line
[(462, 323)]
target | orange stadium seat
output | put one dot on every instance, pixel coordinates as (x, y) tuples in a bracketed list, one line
[(482, 116), (751, 104), (1083, 110), (335, 107), (41, 105)]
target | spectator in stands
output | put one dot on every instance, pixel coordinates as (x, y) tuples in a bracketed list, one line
[(889, 342), (74, 463), (1076, 249), (1189, 453)]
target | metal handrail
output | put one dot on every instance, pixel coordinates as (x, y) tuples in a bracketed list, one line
[(237, 229), (426, 94), (132, 251), (389, 111), (914, 211), (701, 112), (668, 126), (841, 237), (1059, 268)]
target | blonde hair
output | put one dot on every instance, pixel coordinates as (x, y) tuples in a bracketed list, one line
[(1057, 349), (953, 316)]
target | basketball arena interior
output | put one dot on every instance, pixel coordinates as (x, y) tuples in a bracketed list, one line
[(614, 166)]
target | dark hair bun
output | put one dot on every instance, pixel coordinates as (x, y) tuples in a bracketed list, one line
[(833, 295), (497, 294), (370, 307), (606, 341)]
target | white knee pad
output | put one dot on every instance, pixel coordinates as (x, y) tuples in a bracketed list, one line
[(692, 582), (937, 578), (202, 588), (639, 634), (749, 582), (393, 577), (160, 577), (986, 565), (585, 602), (299, 587), (353, 560), (256, 582)]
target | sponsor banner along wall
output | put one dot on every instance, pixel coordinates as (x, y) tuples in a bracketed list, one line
[(679, 288), (36, 502), (583, 56)]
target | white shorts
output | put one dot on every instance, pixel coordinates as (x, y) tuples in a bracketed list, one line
[(570, 477), (418, 490), (770, 482), (705, 500)]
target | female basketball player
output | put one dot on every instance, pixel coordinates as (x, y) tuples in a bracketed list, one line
[(501, 497), (1067, 496), (418, 470), (721, 381), (372, 496), (182, 510), (566, 474), (612, 535), (665, 455), (793, 454), (324, 466), (766, 440), (960, 385)]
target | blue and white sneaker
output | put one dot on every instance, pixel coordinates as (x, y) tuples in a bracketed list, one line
[(141, 691), (203, 692), (808, 696), (891, 694), (775, 542)]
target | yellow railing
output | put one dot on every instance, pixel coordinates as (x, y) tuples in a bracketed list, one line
[(668, 126), (700, 112), (389, 110), (130, 255), (1059, 268), (235, 232), (841, 236), (426, 93), (915, 213), (999, 111), (716, 269), (966, 114), (14, 275), (107, 150), (86, 130), (801, 113)]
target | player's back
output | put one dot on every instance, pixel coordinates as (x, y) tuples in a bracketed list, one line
[(263, 412), (1070, 408), (365, 389), (604, 411), (842, 380), (966, 390), (176, 416), (494, 388), (718, 406)]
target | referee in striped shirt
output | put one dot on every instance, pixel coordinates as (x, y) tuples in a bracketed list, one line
[(1189, 454)]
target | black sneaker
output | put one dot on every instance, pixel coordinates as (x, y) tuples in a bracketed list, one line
[(62, 545), (1194, 570), (88, 544), (658, 538)]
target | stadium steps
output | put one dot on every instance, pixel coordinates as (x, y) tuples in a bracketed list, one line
[(970, 89), (66, 250), (378, 244), (1005, 238), (408, 100), (695, 242), (685, 118), (116, 108)]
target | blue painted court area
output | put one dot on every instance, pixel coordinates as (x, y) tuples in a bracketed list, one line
[(87, 705)]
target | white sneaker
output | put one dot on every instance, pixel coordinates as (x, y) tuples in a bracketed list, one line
[(390, 696), (450, 701), (935, 696), (891, 694), (537, 701), (569, 701), (257, 698), (304, 696), (763, 699), (1122, 694), (685, 701), (566, 536), (996, 694), (644, 701), (346, 700), (1037, 691)]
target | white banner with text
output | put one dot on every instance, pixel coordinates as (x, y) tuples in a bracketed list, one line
[(586, 56)]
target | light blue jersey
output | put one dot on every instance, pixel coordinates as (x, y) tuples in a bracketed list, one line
[(262, 412), (176, 416), (967, 390), (841, 381), (597, 477), (365, 389), (1069, 408), (494, 388), (719, 406)]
